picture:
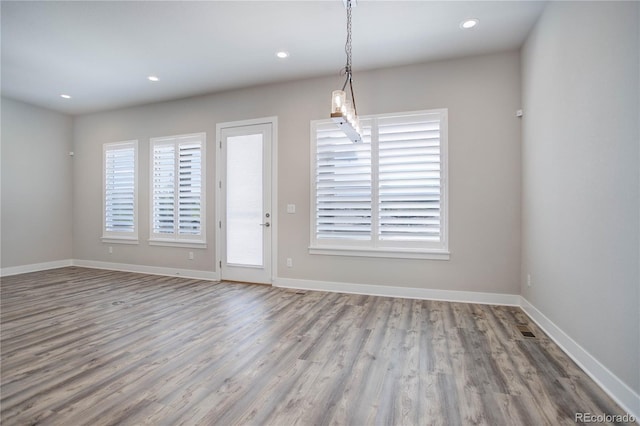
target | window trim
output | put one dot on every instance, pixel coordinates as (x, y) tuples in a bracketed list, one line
[(175, 239), (113, 237), (374, 248), (388, 252)]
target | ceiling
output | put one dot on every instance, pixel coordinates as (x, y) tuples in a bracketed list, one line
[(101, 52)]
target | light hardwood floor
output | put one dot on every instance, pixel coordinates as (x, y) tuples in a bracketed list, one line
[(89, 347)]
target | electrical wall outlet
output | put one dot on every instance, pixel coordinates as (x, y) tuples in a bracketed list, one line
[(190, 255), (528, 280), (289, 262), (110, 250)]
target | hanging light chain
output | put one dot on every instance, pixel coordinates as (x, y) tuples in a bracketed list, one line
[(347, 49), (343, 111)]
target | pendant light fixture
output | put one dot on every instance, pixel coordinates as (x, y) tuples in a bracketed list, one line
[(343, 107)]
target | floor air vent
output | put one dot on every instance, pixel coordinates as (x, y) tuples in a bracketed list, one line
[(525, 331)]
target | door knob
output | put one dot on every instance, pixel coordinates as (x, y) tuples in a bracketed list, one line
[(267, 224)]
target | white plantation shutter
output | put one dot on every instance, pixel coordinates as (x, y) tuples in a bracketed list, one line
[(343, 186), (177, 187), (120, 192), (163, 212), (189, 188), (409, 178), (386, 194)]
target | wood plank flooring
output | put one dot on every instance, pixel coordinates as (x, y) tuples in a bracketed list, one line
[(90, 347)]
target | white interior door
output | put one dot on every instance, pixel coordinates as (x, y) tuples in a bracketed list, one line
[(245, 214)]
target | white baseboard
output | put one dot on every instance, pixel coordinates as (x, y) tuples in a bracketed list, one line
[(626, 397), (125, 267), (403, 292), (153, 270), (35, 267)]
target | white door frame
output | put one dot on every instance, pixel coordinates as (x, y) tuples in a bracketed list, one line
[(274, 189)]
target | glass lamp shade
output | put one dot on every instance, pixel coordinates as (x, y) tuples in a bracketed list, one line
[(344, 115), (357, 127), (348, 110), (338, 100)]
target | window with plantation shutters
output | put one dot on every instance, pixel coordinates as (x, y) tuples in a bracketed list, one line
[(386, 196), (409, 181), (343, 186), (177, 189), (120, 197)]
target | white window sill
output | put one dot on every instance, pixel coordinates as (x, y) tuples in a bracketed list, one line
[(178, 243), (397, 253), (119, 240)]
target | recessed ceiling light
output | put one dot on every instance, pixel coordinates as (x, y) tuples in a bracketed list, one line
[(469, 23), (153, 78), (65, 96), (282, 54)]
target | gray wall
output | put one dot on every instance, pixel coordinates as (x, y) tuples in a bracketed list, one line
[(36, 185), (580, 177), (481, 93)]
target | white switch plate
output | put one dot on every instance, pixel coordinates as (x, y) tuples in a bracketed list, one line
[(291, 208)]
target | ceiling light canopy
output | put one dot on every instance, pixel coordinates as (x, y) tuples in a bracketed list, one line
[(65, 96), (343, 108), (282, 54), (467, 24), (153, 78)]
